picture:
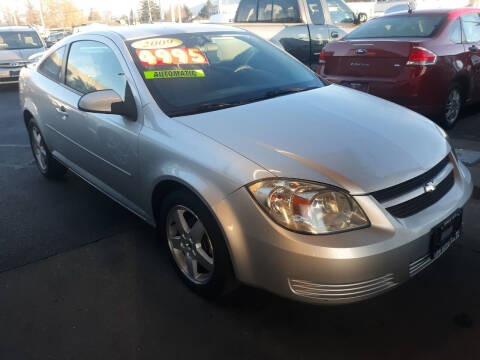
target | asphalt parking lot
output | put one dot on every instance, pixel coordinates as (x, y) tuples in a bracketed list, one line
[(82, 278)]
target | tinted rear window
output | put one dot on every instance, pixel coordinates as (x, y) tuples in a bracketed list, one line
[(399, 26)]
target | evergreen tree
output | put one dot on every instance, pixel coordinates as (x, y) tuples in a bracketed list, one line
[(186, 14), (206, 10), (145, 11)]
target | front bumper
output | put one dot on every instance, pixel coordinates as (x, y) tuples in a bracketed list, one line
[(9, 75), (338, 268)]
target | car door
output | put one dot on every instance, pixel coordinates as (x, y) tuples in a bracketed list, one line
[(279, 21), (319, 30), (340, 17), (471, 30), (102, 147), (49, 92)]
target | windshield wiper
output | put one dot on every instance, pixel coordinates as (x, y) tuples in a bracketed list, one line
[(280, 92), (203, 108)]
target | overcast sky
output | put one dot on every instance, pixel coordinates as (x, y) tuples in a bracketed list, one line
[(117, 7)]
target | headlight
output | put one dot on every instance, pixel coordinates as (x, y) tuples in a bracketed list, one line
[(308, 207)]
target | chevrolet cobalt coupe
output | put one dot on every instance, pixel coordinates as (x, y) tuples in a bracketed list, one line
[(425, 60), (249, 166)]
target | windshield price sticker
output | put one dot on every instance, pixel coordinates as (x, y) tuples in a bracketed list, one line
[(173, 74), (176, 56), (156, 43)]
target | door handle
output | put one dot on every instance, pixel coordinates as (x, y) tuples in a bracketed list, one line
[(61, 109), (334, 35), (473, 48)]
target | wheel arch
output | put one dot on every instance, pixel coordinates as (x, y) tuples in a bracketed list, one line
[(30, 111), (169, 184), (465, 85), (27, 117)]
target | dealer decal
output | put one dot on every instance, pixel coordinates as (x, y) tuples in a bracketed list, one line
[(176, 56), (156, 43), (173, 74)]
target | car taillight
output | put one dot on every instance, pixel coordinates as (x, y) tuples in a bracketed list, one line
[(421, 56), (323, 56)]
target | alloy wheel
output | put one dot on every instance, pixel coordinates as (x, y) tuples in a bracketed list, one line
[(190, 244), (39, 149), (452, 108)]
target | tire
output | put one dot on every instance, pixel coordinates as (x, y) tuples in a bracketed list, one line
[(46, 163), (196, 245), (452, 107)]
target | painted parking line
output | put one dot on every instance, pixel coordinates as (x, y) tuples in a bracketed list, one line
[(14, 145)]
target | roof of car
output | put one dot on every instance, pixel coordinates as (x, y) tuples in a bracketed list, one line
[(16, 28), (452, 13), (159, 29)]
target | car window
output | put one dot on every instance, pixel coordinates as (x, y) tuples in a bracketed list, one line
[(51, 67), (455, 34), (399, 26), (471, 27), (185, 72), (316, 12), (14, 40), (264, 11), (285, 11), (247, 11), (340, 13), (93, 66)]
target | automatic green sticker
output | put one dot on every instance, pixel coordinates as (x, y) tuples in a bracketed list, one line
[(172, 74)]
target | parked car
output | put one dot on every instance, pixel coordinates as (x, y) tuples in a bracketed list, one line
[(301, 27), (250, 168), (427, 61), (17, 44), (55, 37)]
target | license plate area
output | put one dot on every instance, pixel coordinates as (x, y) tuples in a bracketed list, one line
[(15, 73), (444, 234), (361, 86)]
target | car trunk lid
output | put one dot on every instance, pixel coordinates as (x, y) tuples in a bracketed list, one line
[(369, 58)]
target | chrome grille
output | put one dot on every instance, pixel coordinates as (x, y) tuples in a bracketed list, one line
[(329, 292), (13, 64)]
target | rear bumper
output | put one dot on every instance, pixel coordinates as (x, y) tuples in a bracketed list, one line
[(421, 89), (334, 269)]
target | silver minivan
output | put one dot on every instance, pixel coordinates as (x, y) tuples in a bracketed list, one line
[(17, 45)]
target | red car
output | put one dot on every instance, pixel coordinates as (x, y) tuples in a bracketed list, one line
[(428, 61)]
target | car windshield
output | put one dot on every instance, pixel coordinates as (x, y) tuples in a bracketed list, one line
[(399, 26), (13, 40), (200, 72)]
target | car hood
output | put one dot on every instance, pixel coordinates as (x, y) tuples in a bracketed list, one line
[(332, 135), (18, 55)]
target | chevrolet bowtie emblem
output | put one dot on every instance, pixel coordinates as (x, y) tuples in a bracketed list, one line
[(429, 187)]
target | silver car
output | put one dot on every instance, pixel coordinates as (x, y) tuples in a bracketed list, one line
[(252, 169), (18, 44)]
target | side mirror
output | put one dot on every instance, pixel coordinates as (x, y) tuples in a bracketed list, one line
[(361, 18), (109, 102)]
